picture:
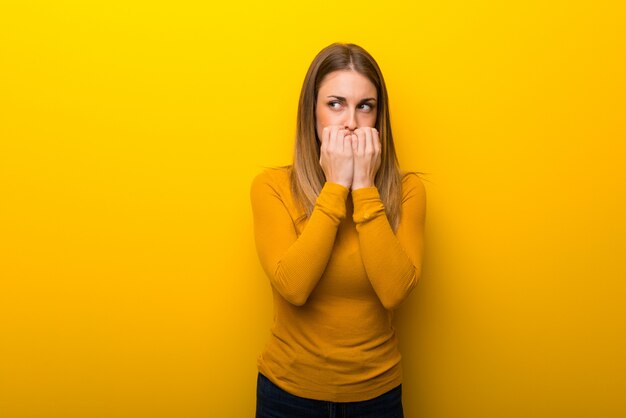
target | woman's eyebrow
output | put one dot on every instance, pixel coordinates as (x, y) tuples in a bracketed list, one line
[(344, 99)]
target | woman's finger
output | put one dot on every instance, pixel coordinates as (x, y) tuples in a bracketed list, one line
[(369, 146), (325, 137), (376, 140), (341, 140), (334, 131), (360, 134)]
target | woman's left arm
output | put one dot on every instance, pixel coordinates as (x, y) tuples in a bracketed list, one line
[(393, 262)]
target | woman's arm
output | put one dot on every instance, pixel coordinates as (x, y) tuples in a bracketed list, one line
[(393, 262), (295, 264)]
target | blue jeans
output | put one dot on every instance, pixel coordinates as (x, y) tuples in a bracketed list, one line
[(273, 402)]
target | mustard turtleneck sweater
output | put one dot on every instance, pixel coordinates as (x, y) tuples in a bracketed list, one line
[(336, 278)]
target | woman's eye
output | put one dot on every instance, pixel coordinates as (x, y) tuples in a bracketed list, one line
[(367, 106), (331, 104)]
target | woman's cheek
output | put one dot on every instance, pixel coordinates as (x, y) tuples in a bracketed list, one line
[(371, 121), (319, 129)]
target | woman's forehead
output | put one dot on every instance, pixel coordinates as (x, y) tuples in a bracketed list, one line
[(348, 84)]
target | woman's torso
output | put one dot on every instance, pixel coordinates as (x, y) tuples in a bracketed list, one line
[(340, 345)]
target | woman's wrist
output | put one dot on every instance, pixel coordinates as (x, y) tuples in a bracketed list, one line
[(362, 184), (341, 183)]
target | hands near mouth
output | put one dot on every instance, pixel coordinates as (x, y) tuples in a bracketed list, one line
[(350, 158)]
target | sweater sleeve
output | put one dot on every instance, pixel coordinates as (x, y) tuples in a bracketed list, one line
[(393, 262), (294, 264)]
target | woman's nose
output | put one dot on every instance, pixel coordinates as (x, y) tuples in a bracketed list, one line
[(350, 123)]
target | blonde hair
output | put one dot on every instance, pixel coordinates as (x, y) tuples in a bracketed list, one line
[(307, 176)]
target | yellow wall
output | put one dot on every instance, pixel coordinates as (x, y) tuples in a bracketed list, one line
[(130, 132)]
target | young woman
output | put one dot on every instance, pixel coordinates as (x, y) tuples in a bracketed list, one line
[(339, 233)]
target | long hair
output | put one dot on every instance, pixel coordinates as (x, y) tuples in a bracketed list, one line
[(307, 176)]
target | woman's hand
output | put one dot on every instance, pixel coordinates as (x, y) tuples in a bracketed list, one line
[(336, 155), (366, 151)]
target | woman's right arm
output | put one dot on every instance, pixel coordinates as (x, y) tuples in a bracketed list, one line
[(294, 264)]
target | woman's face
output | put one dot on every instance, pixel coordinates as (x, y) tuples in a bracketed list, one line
[(345, 98)]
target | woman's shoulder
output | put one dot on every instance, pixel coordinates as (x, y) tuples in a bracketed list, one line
[(273, 185), (273, 175), (275, 180), (412, 183)]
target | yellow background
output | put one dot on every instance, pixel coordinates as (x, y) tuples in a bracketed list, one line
[(130, 133)]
